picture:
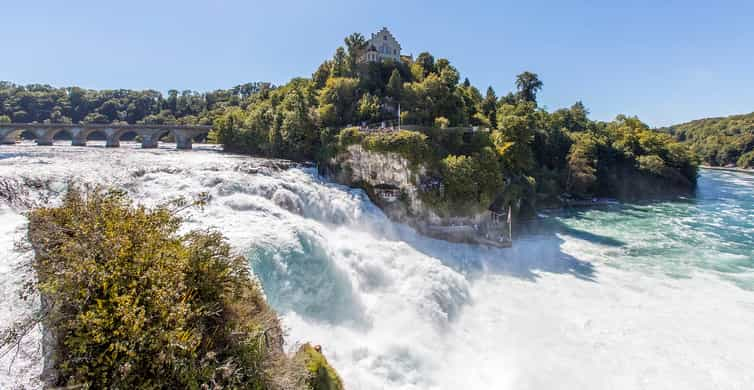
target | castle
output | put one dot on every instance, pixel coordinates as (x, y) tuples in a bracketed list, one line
[(382, 46)]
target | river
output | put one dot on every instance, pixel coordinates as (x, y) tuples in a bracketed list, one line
[(641, 296)]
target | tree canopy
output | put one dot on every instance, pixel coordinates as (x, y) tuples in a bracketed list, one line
[(727, 141)]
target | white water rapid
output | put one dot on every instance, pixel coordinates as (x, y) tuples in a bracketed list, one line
[(566, 309)]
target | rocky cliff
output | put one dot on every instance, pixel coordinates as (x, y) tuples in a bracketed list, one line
[(395, 184)]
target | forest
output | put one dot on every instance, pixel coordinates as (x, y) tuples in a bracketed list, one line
[(727, 141), (38, 103)]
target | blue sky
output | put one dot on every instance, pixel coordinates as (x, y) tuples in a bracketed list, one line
[(665, 61)]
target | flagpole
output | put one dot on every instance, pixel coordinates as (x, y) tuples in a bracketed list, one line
[(399, 116), (510, 224)]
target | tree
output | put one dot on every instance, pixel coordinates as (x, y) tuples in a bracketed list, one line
[(489, 107), (340, 64), (581, 161), (368, 108), (322, 73), (297, 129), (458, 176), (342, 94), (395, 85), (427, 62), (355, 44), (528, 84), (513, 140)]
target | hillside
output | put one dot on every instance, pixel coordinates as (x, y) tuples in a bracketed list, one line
[(482, 151), (724, 141)]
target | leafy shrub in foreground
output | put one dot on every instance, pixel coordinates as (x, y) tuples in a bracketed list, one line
[(131, 303)]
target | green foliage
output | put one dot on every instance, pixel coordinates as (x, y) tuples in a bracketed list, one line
[(718, 141), (395, 85), (582, 160), (625, 143), (746, 160), (134, 304), (431, 98), (528, 85), (458, 175), (350, 136), (368, 108), (513, 141), (410, 144), (489, 107), (5, 119), (651, 163), (321, 374), (442, 122), (280, 125), (471, 183), (43, 104), (340, 97)]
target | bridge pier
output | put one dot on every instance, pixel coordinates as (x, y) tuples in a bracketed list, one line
[(8, 136), (149, 143), (150, 139), (182, 140), (78, 138), (44, 137)]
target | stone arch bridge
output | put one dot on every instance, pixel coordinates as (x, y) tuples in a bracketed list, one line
[(150, 135)]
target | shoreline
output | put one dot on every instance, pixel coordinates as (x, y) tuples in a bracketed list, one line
[(741, 170)]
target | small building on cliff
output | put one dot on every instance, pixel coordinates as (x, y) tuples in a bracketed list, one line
[(388, 193)]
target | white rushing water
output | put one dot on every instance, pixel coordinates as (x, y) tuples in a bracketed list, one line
[(577, 307)]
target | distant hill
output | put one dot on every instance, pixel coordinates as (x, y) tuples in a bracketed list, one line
[(723, 141)]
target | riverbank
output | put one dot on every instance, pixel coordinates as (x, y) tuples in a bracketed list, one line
[(731, 169)]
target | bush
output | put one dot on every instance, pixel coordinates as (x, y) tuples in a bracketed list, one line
[(321, 374), (652, 164), (410, 144), (131, 303), (471, 182), (746, 160), (349, 136), (442, 122)]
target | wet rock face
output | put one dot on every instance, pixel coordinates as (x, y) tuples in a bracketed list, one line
[(363, 168), (384, 168), (367, 169)]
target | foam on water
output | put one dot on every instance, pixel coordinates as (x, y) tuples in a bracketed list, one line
[(647, 296)]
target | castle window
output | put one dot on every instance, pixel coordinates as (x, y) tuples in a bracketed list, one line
[(384, 37)]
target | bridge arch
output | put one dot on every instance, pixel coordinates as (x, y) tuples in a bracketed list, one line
[(128, 135), (27, 135), (95, 135), (41, 136), (120, 135), (62, 134)]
